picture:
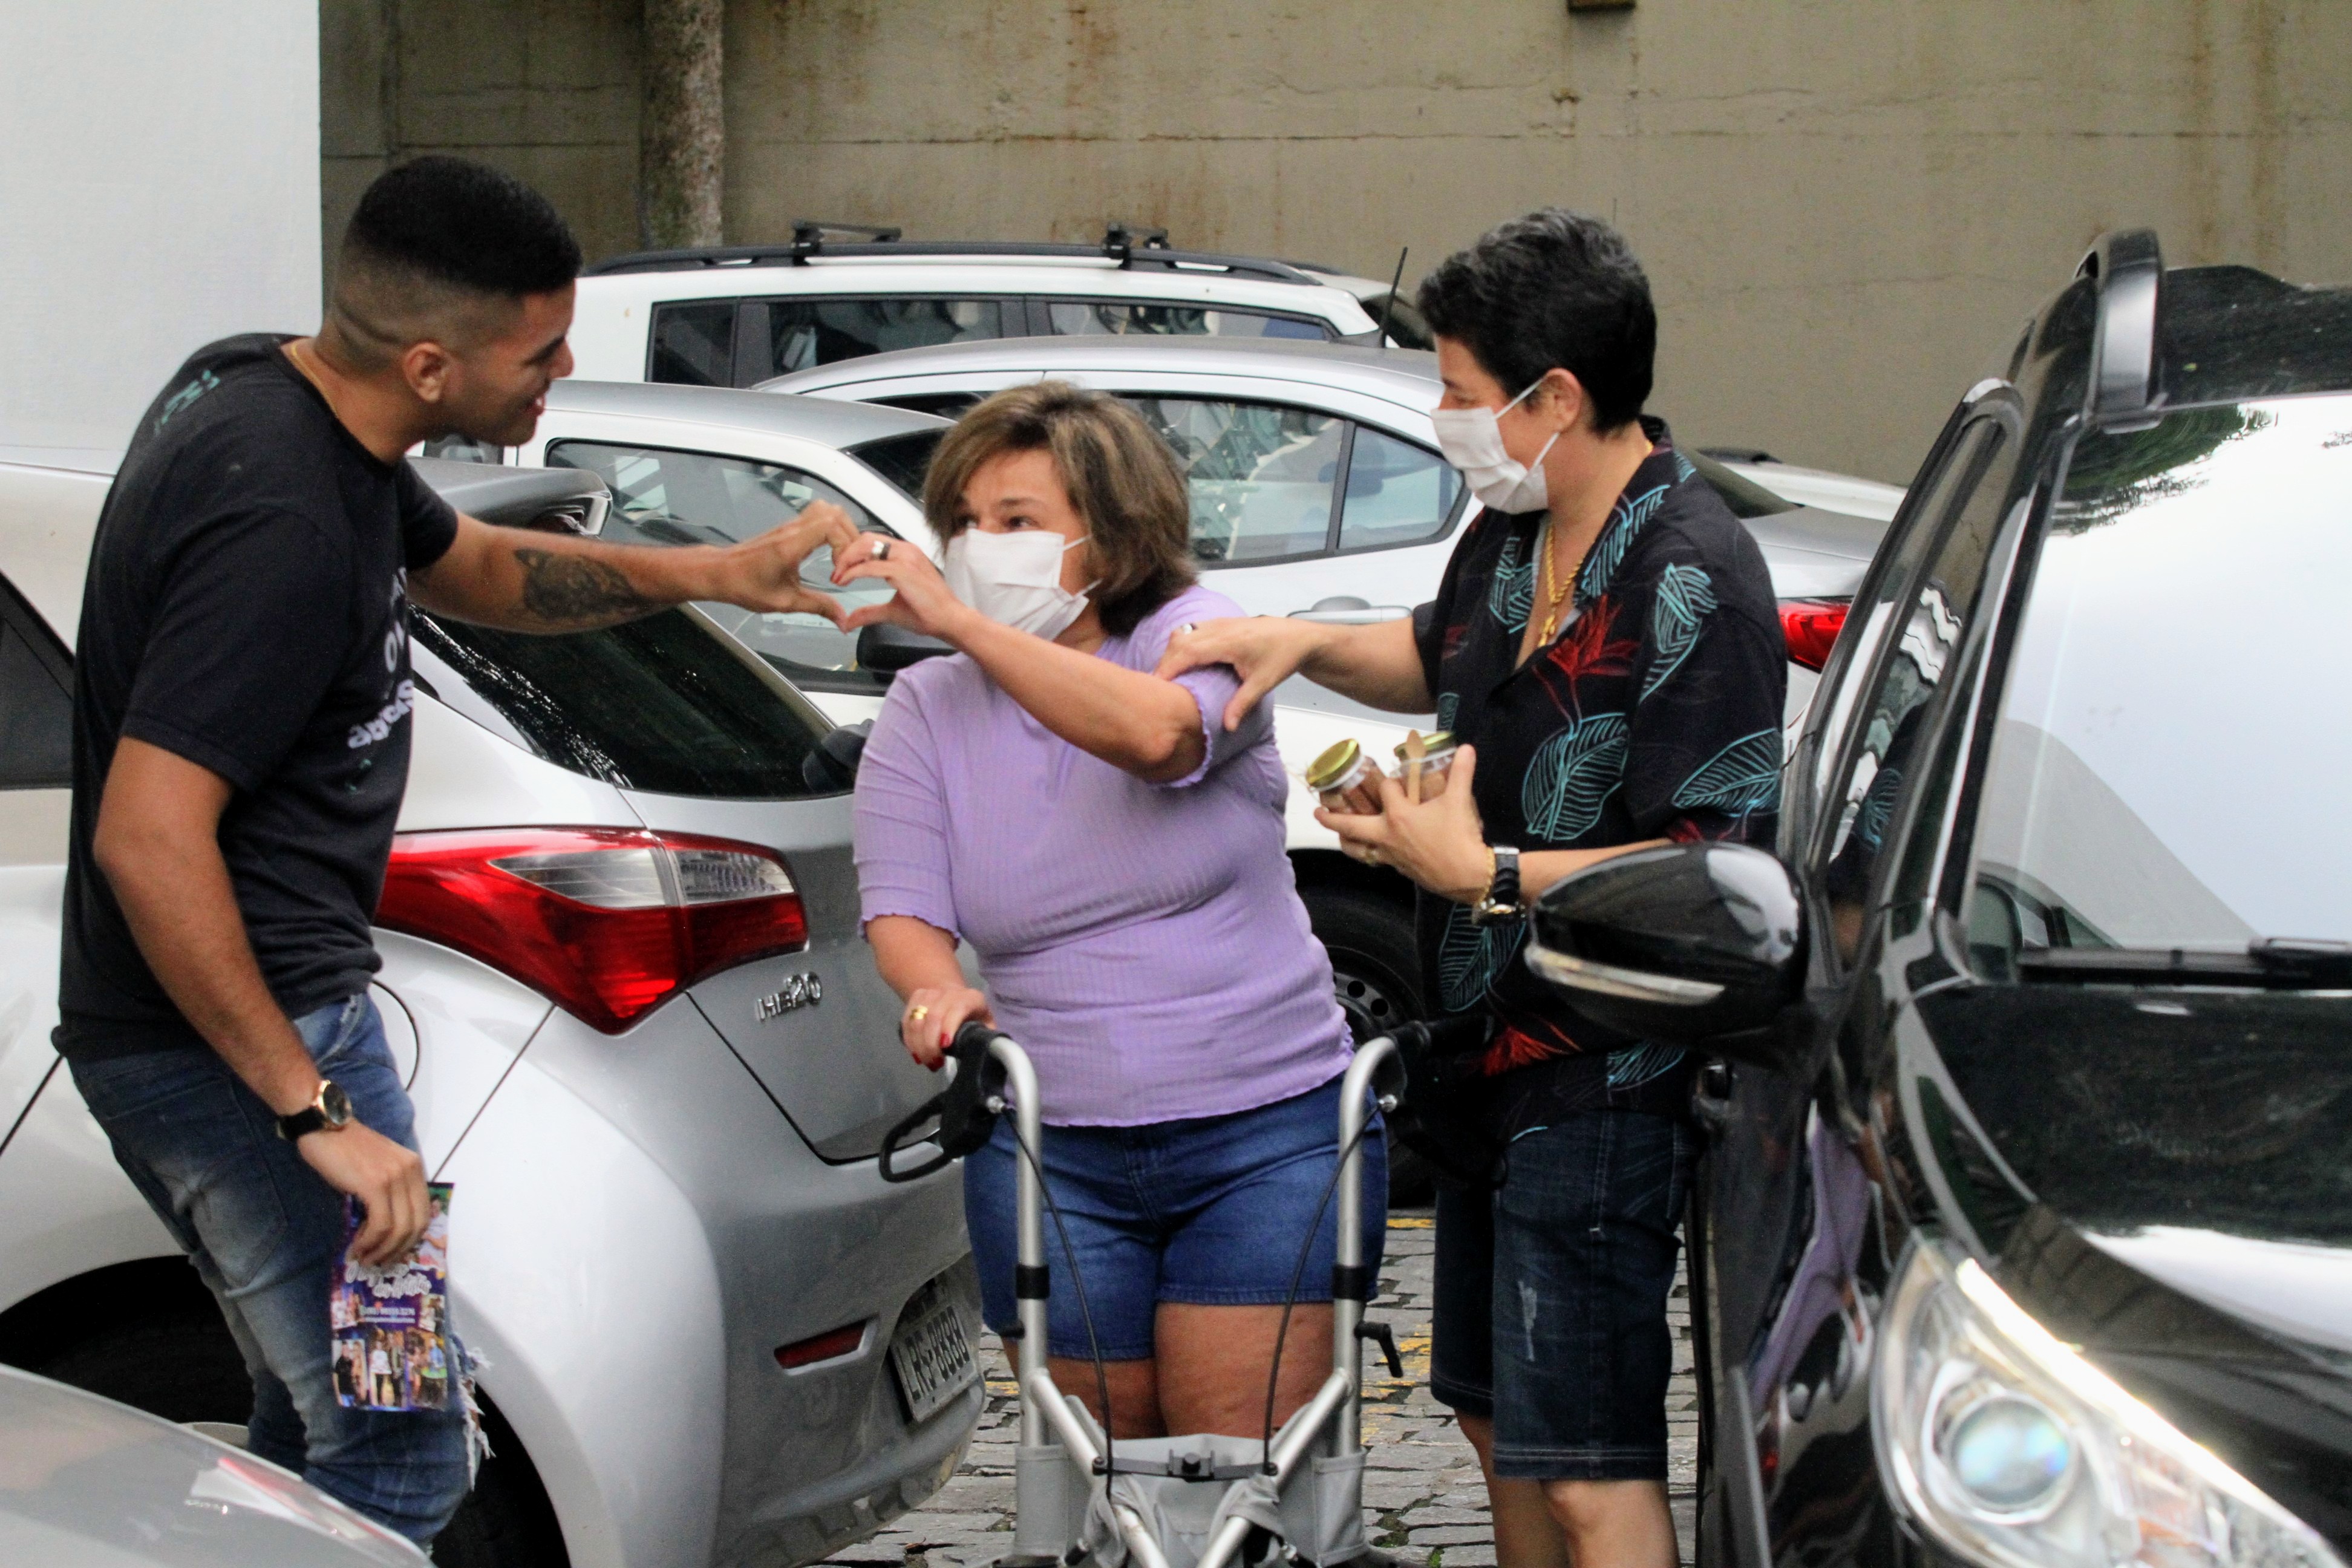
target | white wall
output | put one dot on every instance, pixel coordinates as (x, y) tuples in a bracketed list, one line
[(159, 188)]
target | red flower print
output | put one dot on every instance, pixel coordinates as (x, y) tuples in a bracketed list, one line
[(1513, 1048), (1586, 647)]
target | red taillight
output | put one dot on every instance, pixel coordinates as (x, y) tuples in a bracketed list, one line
[(607, 922), (829, 1346), (1810, 627)]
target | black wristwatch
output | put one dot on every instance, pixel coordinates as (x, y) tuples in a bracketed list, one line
[(329, 1111), (1502, 899)]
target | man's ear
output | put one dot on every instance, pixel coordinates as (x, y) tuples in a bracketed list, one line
[(426, 367)]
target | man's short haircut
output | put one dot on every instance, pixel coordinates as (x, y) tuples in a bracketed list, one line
[(440, 247), (1554, 287)]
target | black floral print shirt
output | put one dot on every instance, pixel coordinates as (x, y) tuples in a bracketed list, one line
[(1653, 713)]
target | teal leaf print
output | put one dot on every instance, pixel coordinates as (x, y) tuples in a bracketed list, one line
[(1685, 597), (1742, 778), (1878, 808), (1637, 1065), (1448, 704), (1511, 592), (1469, 957), (1684, 469), (1572, 775), (1609, 553)]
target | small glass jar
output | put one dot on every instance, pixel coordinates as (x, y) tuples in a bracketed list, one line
[(1436, 761), (1342, 779)]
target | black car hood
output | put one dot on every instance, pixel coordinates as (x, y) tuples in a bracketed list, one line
[(2164, 1178)]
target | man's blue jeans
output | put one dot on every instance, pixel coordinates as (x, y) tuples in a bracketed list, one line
[(264, 1231)]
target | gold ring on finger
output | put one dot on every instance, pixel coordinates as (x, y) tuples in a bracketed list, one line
[(917, 1013)]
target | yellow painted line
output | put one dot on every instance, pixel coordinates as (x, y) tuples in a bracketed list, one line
[(1411, 1222)]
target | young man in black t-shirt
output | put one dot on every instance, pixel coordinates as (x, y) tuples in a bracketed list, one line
[(1606, 646), (241, 737)]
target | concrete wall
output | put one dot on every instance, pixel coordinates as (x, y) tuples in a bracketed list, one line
[(162, 190), (1846, 209)]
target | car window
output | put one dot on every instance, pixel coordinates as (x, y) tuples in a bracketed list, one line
[(901, 460), (1261, 475), (1398, 493), (776, 337), (665, 497), (664, 704), (2164, 771), (36, 701), (694, 344), (1128, 318), (1929, 597)]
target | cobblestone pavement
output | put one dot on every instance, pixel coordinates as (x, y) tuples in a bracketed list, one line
[(1424, 1500)]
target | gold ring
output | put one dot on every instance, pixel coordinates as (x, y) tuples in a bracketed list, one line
[(917, 1013)]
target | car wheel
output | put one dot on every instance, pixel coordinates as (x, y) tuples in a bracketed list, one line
[(1376, 977), (183, 1366)]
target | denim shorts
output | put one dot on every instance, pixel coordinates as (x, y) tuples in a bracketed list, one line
[(263, 1230), (1211, 1210), (1551, 1292)]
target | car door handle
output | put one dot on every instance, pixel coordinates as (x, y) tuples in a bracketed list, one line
[(1346, 610)]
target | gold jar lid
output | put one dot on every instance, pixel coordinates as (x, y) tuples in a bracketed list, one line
[(1435, 741), (1333, 764)]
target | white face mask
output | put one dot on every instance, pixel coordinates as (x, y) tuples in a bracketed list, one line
[(1014, 579), (1473, 442)]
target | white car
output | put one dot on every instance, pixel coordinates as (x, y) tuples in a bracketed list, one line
[(711, 1334), (732, 316)]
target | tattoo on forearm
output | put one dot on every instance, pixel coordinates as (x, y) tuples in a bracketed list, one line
[(566, 590)]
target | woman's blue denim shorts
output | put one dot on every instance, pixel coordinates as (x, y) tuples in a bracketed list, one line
[(1211, 1211)]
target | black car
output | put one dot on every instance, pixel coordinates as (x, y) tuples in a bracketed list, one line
[(2023, 1232)]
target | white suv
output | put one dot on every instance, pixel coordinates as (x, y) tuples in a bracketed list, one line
[(736, 315)]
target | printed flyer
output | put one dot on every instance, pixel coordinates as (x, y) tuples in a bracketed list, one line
[(392, 1351)]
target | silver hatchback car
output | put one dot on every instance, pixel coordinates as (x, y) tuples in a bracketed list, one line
[(624, 975)]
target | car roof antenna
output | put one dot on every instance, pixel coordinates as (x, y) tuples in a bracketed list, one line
[(1388, 306)]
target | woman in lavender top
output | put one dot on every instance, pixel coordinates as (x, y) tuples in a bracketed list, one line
[(1114, 857)]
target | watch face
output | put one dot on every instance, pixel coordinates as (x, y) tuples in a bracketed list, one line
[(333, 1103)]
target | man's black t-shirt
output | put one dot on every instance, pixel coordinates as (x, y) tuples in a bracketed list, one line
[(247, 609)]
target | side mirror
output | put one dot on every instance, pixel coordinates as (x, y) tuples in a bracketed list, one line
[(1697, 944), (887, 649), (832, 767)]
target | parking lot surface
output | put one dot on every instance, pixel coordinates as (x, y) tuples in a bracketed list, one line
[(1424, 1502)]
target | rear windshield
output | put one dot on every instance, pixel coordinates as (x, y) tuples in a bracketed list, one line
[(667, 704), (2170, 764)]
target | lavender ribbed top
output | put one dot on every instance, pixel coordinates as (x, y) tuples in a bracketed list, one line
[(1143, 942)]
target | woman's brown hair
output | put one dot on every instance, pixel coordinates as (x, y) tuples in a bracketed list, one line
[(1120, 476)]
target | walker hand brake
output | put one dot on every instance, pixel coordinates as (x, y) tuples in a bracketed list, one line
[(1383, 1336), (966, 1109)]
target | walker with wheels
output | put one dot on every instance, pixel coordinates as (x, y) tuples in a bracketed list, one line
[(1204, 1502)]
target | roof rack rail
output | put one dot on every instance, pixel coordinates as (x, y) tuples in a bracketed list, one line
[(2125, 267), (1130, 246)]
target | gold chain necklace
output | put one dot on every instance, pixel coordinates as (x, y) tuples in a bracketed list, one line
[(1552, 595)]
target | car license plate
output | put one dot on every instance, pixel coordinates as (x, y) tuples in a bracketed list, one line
[(931, 1354)]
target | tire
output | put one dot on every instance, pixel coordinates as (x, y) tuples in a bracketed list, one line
[(183, 1366), (1376, 978)]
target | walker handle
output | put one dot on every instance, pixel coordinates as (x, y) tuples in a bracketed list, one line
[(962, 1108)]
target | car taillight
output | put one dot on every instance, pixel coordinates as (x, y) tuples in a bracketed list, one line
[(1810, 627), (609, 924)]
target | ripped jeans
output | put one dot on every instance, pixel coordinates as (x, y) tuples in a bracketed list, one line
[(263, 1231), (1551, 1297)]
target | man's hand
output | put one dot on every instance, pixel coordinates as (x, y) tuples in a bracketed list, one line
[(387, 1178), (1440, 845), (1264, 650), (764, 572), (932, 1015), (921, 602)]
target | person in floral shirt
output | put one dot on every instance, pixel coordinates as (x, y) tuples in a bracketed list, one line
[(1606, 646)]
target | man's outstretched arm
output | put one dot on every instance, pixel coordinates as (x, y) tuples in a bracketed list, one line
[(526, 581)]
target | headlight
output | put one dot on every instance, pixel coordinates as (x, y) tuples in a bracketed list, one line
[(2011, 1450)]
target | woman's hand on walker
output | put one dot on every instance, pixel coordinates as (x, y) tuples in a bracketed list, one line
[(921, 603), (1440, 845), (932, 1015)]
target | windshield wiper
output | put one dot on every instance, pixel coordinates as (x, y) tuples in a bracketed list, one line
[(2269, 962)]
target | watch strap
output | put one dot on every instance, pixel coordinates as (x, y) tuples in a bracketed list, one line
[(1502, 898)]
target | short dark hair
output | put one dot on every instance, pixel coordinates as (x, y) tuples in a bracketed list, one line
[(1120, 476), (465, 226), (1554, 287), (440, 247)]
